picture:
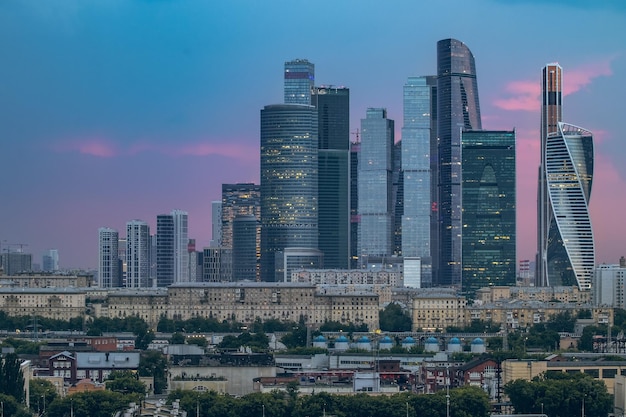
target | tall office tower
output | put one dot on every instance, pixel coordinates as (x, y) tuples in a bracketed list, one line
[(551, 115), (457, 109), (216, 224), (288, 181), (333, 115), (245, 229), (217, 265), (570, 254), (375, 183), (50, 261), (355, 150), (108, 258), (14, 263), (242, 199), (165, 250), (397, 198), (153, 260), (181, 239), (138, 248), (299, 81), (418, 135), (488, 215)]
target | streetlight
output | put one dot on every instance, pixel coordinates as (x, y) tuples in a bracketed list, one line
[(263, 406), (448, 390), (407, 409)]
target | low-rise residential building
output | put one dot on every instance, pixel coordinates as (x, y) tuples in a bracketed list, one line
[(438, 308), (53, 303)]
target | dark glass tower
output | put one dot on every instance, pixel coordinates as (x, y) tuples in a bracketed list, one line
[(299, 81), (355, 219), (551, 115), (333, 112), (165, 250), (244, 229), (488, 216), (457, 109), (289, 181)]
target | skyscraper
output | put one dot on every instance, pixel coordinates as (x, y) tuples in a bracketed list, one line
[(457, 109), (245, 228), (216, 224), (108, 259), (299, 81), (551, 115), (488, 215), (165, 250), (138, 248), (181, 240), (355, 150), (570, 253), (375, 185), (50, 261), (289, 181), (418, 135), (333, 112)]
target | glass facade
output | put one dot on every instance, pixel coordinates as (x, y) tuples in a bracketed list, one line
[(457, 109), (108, 259), (569, 172), (375, 185), (165, 250), (181, 240), (551, 112), (333, 112), (488, 216), (417, 137), (299, 81), (245, 230), (138, 248), (289, 181)]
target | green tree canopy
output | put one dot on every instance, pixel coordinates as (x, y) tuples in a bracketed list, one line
[(394, 319), (153, 363), (125, 382), (12, 377)]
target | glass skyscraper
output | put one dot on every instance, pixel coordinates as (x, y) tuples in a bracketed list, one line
[(551, 115), (570, 255), (418, 134), (333, 113), (299, 81), (138, 248), (488, 215), (376, 201), (289, 181), (108, 258), (457, 109)]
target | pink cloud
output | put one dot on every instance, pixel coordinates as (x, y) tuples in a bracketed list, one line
[(525, 95), (95, 147)]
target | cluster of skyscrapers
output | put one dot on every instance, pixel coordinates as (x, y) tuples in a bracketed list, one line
[(441, 202)]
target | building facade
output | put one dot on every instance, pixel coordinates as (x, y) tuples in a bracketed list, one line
[(489, 209), (50, 261), (289, 181), (570, 255), (551, 115), (333, 115), (108, 259), (376, 202), (138, 248), (418, 134), (299, 79), (457, 108)]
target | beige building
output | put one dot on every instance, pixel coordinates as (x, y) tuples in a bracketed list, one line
[(53, 303), (348, 276), (543, 294), (39, 280), (438, 309), (149, 305)]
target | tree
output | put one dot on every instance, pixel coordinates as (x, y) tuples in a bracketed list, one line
[(103, 403), (560, 394), (394, 319), (12, 377), (177, 339), (125, 382), (153, 363), (12, 408), (41, 391)]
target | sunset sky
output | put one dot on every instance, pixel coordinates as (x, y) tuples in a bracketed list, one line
[(113, 110)]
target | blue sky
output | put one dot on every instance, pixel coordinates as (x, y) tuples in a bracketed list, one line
[(119, 110)]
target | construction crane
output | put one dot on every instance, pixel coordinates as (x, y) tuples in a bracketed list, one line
[(21, 245)]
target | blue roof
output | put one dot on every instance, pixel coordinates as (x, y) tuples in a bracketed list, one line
[(364, 339), (319, 338), (341, 338), (431, 340), (386, 339), (408, 339), (478, 341), (455, 341)]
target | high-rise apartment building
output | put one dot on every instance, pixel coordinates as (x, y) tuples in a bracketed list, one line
[(289, 181), (488, 215), (376, 202), (138, 248), (108, 258), (181, 240), (418, 135), (216, 224), (551, 115), (570, 252), (50, 261), (333, 113), (165, 250), (457, 109), (299, 81), (355, 150)]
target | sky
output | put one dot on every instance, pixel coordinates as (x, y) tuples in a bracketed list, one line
[(114, 110)]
